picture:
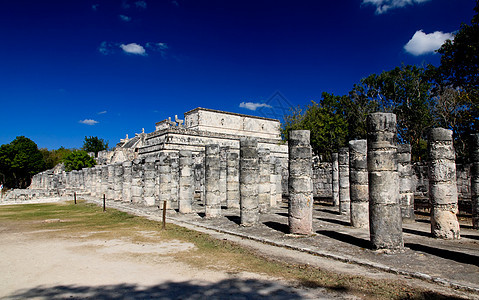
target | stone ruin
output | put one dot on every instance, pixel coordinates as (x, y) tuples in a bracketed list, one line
[(230, 161)]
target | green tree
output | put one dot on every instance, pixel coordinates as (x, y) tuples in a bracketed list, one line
[(77, 160), (94, 144), (457, 84), (405, 91), (325, 120), (19, 161), (54, 157)]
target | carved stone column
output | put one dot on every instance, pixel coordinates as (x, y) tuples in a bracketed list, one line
[(442, 184), (300, 209), (385, 221)]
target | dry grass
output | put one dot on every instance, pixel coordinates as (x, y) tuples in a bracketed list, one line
[(88, 220)]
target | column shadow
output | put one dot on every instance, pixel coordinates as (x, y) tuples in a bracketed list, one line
[(417, 232), (333, 212), (339, 222), (474, 237), (235, 219), (362, 243), (282, 214), (284, 228), (447, 254)]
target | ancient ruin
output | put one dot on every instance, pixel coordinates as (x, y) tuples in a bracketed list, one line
[(442, 184), (385, 221)]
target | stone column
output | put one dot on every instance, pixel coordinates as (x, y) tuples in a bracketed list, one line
[(264, 187), (164, 188), (335, 179), (186, 182), (149, 176), (212, 176), (358, 190), (127, 175), (104, 180), (223, 175), (232, 181), (249, 202), (174, 178), (118, 181), (406, 183), (110, 193), (300, 208), (137, 181), (442, 184), (475, 180), (344, 198), (98, 182), (278, 186), (385, 222)]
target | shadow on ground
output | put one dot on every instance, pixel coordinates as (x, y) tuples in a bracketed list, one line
[(362, 243), (447, 254), (225, 289)]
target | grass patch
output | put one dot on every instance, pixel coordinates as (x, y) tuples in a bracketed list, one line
[(86, 218)]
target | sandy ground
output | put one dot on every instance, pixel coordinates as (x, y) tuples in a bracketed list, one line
[(43, 265)]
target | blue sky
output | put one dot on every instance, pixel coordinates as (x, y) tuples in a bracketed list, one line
[(70, 69)]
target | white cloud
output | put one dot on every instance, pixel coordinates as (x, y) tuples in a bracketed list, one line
[(124, 18), (422, 43), (88, 122), (133, 48), (102, 112), (140, 4), (252, 105), (384, 5)]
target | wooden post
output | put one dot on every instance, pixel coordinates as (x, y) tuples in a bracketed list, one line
[(164, 215), (104, 203), (75, 197)]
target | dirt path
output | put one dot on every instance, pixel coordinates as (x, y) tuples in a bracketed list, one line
[(44, 265)]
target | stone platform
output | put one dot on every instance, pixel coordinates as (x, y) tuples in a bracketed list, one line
[(451, 263)]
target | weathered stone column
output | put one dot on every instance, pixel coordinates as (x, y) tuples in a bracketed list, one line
[(127, 175), (406, 183), (149, 176), (164, 188), (104, 180), (110, 193), (335, 179), (98, 182), (223, 175), (264, 187), (232, 181), (475, 180), (249, 201), (344, 197), (186, 182), (278, 186), (300, 208), (174, 159), (442, 184), (137, 181), (358, 176), (212, 176), (385, 222), (118, 181)]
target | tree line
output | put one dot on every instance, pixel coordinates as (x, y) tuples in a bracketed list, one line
[(421, 97), (21, 159)]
